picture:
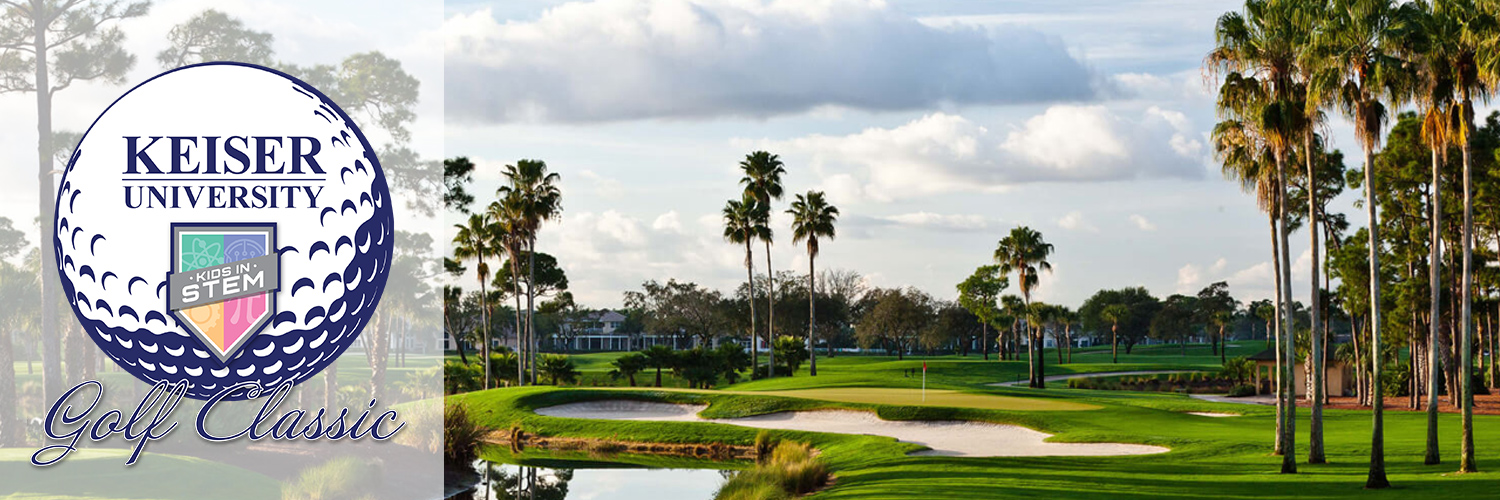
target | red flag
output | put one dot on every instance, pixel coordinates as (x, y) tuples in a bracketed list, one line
[(924, 366)]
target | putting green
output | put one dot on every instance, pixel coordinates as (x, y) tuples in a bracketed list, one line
[(913, 397)]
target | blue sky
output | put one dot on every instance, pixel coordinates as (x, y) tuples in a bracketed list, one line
[(934, 126)]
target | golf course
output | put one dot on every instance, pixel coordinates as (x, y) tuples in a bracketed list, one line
[(1218, 456)]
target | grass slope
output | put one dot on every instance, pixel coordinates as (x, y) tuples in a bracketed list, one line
[(1211, 457), (102, 474)]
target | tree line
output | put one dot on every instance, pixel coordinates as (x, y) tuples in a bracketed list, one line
[(1409, 279)]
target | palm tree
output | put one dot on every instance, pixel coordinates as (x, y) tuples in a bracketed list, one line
[(1015, 309), (541, 201), (1476, 32), (1265, 43), (1113, 313), (740, 228), (559, 368), (475, 241), (510, 233), (1247, 159), (1427, 51), (812, 217), (1025, 253), (1068, 318), (1312, 117), (762, 180), (1354, 47), (627, 366), (760, 229), (660, 357)]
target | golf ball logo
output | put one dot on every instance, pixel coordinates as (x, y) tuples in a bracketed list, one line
[(223, 223)]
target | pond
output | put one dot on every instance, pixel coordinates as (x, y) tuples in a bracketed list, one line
[(586, 480)]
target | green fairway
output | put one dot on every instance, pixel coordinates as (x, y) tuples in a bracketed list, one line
[(1210, 457), (910, 397), (102, 474), (934, 397)]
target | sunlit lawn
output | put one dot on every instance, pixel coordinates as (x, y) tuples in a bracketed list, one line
[(1211, 457), (102, 474)]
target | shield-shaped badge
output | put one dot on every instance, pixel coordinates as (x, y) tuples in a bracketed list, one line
[(223, 282)]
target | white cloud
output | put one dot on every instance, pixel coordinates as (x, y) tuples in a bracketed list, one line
[(1074, 221), (862, 225), (611, 60), (606, 253), (668, 222), (1181, 86), (604, 186), (1142, 222), (1188, 278), (944, 153)]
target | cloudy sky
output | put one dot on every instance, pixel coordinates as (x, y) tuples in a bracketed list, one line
[(935, 127)]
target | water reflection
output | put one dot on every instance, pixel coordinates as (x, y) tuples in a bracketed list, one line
[(497, 481)]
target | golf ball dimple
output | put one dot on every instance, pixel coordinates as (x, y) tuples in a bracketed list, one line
[(267, 150)]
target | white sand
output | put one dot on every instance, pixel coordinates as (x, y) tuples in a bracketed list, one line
[(945, 438), (1212, 414)]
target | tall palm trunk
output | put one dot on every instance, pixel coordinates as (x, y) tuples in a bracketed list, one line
[(1289, 457), (812, 313), (1465, 331), (1434, 275), (515, 290), (1376, 478), (754, 334), (1223, 346), (531, 340), (1114, 342), (1276, 308), (484, 317), (1068, 335), (1059, 348), (1041, 361), (984, 339), (770, 315), (1315, 357)]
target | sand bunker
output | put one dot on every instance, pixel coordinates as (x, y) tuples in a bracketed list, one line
[(1212, 414), (945, 438)]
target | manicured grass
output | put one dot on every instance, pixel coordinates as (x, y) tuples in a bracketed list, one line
[(102, 474), (933, 397), (945, 372), (1211, 457), (914, 397)]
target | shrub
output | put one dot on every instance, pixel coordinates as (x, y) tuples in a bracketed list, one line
[(792, 470), (1242, 390), (503, 367), (628, 366), (558, 368), (345, 477), (1238, 369), (462, 436), (460, 378), (790, 353), (765, 443)]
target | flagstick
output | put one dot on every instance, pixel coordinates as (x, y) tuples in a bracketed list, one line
[(924, 381)]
